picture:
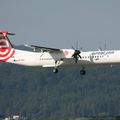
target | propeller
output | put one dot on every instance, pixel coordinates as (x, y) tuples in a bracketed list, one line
[(76, 53)]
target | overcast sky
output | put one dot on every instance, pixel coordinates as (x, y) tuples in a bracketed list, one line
[(60, 23)]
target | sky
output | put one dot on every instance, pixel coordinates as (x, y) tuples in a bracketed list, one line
[(61, 23)]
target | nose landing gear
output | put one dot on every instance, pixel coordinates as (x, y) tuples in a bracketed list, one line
[(82, 72)]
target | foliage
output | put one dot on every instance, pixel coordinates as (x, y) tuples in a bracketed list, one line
[(41, 95)]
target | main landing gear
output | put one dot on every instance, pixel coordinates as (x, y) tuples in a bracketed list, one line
[(55, 70), (82, 71)]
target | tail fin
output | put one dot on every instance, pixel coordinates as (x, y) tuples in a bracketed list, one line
[(6, 48)]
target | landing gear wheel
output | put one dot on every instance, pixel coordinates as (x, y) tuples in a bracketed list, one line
[(55, 70), (82, 72)]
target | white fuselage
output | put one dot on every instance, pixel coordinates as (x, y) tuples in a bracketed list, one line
[(53, 59)]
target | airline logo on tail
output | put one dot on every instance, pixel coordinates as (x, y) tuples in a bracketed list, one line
[(6, 50)]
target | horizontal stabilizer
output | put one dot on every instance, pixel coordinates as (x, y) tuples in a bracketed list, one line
[(6, 32)]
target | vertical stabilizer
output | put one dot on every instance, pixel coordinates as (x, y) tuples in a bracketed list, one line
[(6, 48)]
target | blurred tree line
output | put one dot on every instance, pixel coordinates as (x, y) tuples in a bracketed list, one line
[(40, 94)]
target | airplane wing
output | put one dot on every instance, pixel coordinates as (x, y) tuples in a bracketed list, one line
[(43, 49)]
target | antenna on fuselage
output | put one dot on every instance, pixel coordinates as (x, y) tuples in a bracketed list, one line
[(105, 45)]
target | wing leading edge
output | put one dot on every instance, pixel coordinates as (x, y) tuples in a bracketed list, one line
[(43, 49)]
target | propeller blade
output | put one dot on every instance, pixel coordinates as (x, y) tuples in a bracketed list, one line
[(76, 53), (79, 56), (73, 48), (76, 59)]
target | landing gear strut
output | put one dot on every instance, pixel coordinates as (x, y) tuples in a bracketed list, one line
[(82, 72), (55, 70)]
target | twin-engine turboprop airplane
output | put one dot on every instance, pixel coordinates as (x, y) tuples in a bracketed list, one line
[(55, 58)]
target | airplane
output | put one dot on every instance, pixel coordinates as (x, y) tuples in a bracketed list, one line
[(46, 57)]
